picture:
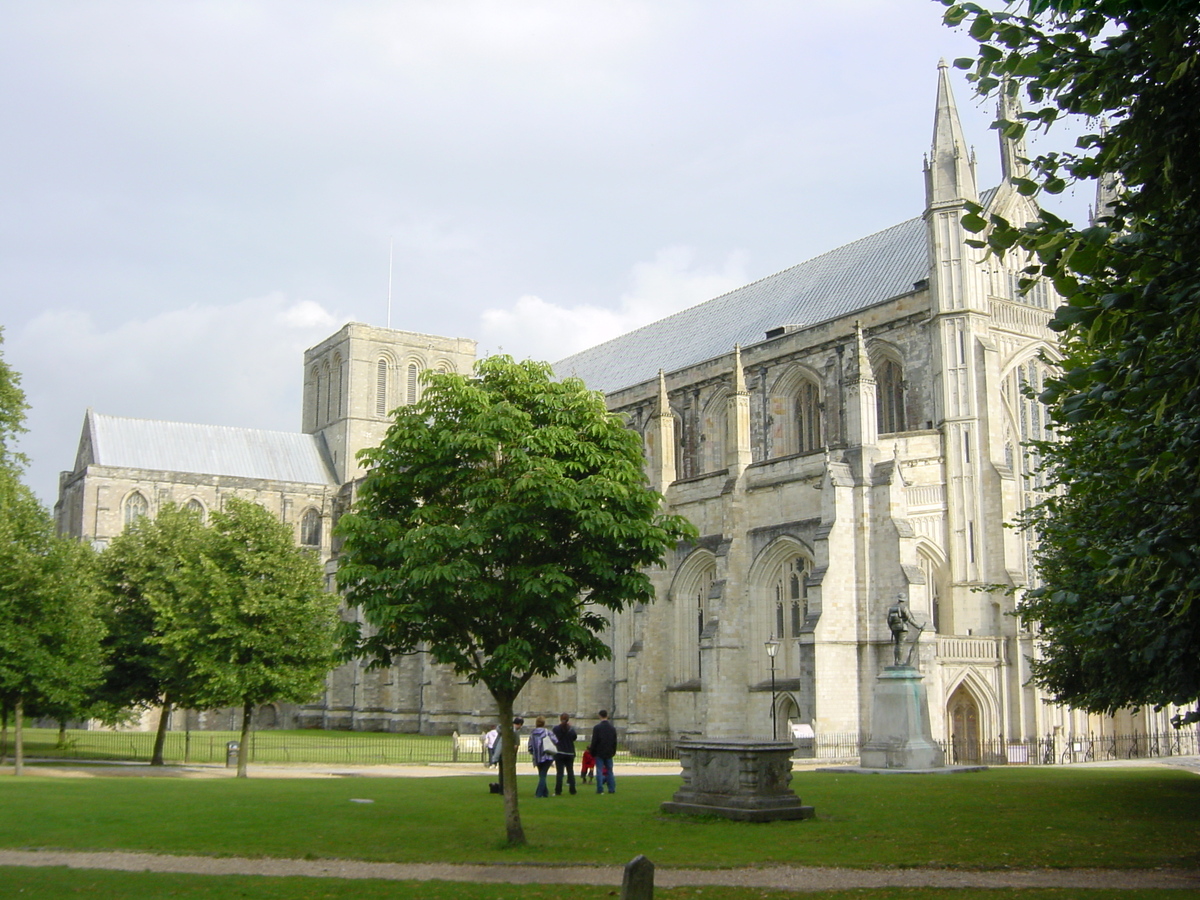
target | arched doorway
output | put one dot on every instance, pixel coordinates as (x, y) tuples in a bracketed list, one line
[(963, 716)]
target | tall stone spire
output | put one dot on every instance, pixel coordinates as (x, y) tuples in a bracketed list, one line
[(949, 174), (1012, 150)]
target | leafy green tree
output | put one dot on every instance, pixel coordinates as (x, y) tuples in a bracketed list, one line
[(50, 631), (1117, 604), (250, 621), (501, 518), (151, 566), (50, 627)]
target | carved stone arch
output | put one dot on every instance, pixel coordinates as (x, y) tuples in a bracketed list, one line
[(779, 606), (134, 506), (797, 402), (196, 505), (385, 388), (714, 429), (964, 736), (691, 593), (887, 365), (445, 366), (933, 606)]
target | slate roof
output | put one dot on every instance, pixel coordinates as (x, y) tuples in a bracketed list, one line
[(867, 271), (207, 449)]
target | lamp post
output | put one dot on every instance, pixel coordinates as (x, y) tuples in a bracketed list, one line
[(772, 645)]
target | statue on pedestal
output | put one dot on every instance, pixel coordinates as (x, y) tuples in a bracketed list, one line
[(898, 619)]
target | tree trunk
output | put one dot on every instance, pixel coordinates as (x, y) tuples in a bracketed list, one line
[(62, 733), (3, 735), (19, 737), (508, 766), (160, 737), (244, 744)]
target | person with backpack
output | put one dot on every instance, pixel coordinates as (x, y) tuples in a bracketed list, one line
[(541, 747)]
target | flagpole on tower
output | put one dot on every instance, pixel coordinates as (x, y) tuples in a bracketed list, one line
[(389, 310)]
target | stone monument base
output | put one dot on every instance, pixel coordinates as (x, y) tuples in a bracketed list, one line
[(900, 732), (744, 780)]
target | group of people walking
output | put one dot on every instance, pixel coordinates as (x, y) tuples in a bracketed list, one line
[(556, 747)]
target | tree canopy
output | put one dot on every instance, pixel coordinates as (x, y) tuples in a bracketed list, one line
[(503, 519), (1119, 539), (245, 620), (50, 630), (149, 568)]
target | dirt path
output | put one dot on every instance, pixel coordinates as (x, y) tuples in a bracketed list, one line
[(785, 878)]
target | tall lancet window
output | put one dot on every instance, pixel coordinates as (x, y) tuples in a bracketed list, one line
[(413, 383), (890, 398), (381, 388), (808, 417)]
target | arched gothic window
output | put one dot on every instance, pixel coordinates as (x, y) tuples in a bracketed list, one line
[(791, 598), (808, 417), (326, 376), (310, 529), (693, 599), (381, 388), (1032, 420), (890, 398), (197, 507), (413, 383), (339, 368), (136, 506)]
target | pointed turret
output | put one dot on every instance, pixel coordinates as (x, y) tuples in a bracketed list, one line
[(949, 174), (737, 418), (1108, 187), (1013, 154), (663, 431), (861, 425)]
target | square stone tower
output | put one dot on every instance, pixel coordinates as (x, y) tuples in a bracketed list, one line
[(356, 377)]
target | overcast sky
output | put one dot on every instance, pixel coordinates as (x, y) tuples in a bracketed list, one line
[(191, 193)]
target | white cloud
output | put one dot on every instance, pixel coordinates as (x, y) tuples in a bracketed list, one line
[(232, 364), (537, 328)]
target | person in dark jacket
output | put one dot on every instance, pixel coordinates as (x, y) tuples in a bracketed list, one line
[(604, 747), (564, 757)]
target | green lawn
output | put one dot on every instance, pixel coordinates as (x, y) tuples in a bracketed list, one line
[(304, 746), (1003, 817), (54, 883)]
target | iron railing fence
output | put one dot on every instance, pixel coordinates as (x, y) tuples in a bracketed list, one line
[(378, 748)]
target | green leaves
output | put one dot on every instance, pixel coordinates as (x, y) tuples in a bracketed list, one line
[(491, 509), (1117, 607)]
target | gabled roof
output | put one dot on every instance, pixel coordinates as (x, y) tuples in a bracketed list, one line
[(867, 271), (203, 449)]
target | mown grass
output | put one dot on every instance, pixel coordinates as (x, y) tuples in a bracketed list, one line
[(302, 746), (56, 883), (1121, 818)]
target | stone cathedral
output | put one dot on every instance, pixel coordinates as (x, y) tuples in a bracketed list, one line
[(841, 433)]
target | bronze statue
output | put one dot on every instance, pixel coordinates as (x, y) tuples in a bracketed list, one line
[(898, 619)]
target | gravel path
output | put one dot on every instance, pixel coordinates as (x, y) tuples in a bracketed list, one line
[(786, 878)]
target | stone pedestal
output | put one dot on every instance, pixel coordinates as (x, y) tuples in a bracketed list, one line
[(900, 732), (737, 779)]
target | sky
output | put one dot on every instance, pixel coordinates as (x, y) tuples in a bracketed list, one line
[(192, 193)]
